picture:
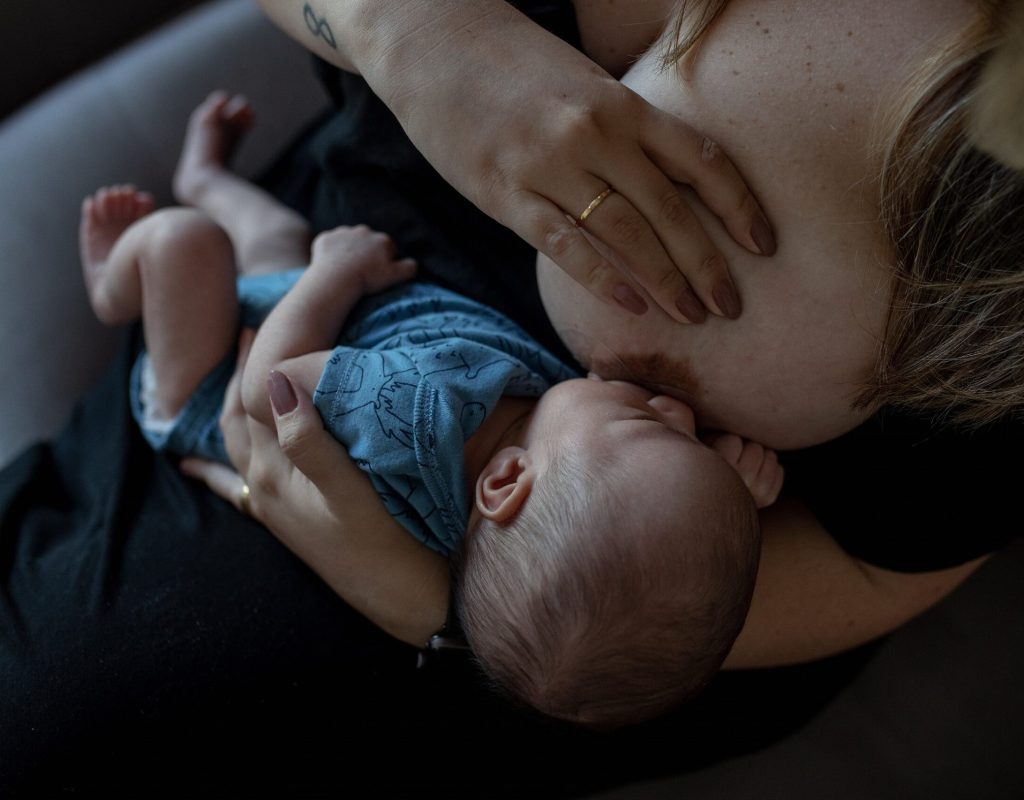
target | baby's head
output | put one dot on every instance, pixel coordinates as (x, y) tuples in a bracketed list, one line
[(610, 558)]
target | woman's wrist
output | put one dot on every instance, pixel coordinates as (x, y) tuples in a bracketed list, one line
[(334, 30), (407, 45)]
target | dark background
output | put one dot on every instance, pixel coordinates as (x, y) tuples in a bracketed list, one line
[(42, 42)]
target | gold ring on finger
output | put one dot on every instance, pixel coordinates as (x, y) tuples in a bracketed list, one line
[(592, 205), (244, 497)]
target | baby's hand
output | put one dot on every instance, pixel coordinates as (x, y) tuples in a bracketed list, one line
[(757, 465), (361, 255)]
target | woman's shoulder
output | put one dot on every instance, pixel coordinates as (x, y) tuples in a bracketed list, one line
[(614, 35), (905, 491)]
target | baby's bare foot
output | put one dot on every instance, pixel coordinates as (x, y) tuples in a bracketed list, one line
[(105, 216), (214, 131)]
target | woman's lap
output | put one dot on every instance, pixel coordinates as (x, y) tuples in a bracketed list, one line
[(136, 603), (150, 636)]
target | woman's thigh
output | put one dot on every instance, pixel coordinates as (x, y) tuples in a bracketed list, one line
[(138, 612)]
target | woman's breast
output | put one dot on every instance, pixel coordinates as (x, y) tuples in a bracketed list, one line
[(794, 99)]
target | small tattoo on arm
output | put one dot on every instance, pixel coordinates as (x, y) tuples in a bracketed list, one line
[(318, 26)]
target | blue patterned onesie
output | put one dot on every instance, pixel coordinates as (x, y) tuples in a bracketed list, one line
[(416, 371)]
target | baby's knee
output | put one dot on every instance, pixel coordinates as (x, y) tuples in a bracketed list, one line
[(189, 237)]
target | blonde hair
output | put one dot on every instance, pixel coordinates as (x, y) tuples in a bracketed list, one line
[(953, 344), (578, 610)]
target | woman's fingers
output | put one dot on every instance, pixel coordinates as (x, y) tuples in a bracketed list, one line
[(686, 156), (629, 236), (676, 262), (680, 273), (301, 434), (222, 481), (545, 226)]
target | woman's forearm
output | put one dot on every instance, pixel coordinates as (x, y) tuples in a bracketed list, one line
[(331, 29), (813, 600), (370, 561), (377, 39)]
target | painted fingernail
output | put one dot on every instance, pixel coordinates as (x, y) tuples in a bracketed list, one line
[(691, 307), (761, 233), (627, 297), (282, 395), (727, 299)]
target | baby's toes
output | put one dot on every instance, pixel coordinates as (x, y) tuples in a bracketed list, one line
[(144, 203), (237, 111), (125, 202), (211, 107), (119, 200), (102, 203)]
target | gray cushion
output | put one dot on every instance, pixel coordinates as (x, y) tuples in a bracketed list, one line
[(119, 121)]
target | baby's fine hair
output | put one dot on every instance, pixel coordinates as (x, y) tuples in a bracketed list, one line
[(581, 611)]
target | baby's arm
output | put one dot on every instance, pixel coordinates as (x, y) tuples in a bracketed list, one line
[(358, 549), (346, 264), (756, 464)]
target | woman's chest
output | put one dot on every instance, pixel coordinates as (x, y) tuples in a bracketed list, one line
[(796, 93)]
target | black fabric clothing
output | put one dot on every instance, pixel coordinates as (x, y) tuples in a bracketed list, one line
[(909, 493), (154, 641)]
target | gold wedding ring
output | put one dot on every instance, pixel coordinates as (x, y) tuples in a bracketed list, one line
[(593, 205), (243, 499)]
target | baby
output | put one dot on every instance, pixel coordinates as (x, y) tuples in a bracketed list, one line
[(605, 556)]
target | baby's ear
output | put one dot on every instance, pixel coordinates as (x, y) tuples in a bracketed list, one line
[(504, 484)]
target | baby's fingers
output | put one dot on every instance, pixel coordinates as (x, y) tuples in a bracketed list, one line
[(750, 462), (390, 273), (767, 483), (728, 445)]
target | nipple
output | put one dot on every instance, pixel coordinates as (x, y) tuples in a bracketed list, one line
[(659, 372), (595, 356)]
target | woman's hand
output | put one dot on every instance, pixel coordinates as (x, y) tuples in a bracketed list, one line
[(306, 490), (534, 133)]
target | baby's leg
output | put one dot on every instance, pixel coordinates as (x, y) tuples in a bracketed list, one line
[(267, 235), (176, 268)]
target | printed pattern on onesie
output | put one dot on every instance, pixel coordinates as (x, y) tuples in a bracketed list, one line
[(418, 369)]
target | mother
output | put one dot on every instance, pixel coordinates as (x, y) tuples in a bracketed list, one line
[(883, 320), (190, 619)]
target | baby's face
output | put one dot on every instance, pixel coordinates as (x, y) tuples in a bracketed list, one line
[(652, 436), (592, 408)]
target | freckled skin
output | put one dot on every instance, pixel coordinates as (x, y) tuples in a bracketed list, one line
[(787, 371)]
